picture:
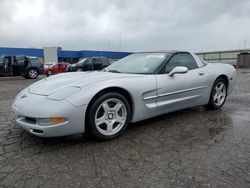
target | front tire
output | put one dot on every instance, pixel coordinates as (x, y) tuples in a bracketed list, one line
[(109, 116), (218, 94)]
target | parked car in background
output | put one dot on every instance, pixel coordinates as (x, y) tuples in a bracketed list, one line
[(69, 67), (49, 64), (56, 68), (90, 64), (26, 66)]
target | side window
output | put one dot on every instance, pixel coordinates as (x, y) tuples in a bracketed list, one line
[(105, 62), (7, 60), (88, 64), (1, 58), (15, 62), (183, 60), (97, 64)]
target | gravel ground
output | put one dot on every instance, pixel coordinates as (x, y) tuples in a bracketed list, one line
[(191, 148)]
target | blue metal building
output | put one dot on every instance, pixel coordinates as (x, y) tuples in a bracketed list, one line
[(63, 53)]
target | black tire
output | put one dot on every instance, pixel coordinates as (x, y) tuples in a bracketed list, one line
[(212, 103), (32, 73), (91, 125)]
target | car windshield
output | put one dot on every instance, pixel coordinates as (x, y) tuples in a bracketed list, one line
[(140, 63), (82, 60)]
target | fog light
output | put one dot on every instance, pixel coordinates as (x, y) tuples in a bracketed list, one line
[(51, 121)]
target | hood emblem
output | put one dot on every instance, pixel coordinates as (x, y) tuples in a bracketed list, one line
[(23, 96)]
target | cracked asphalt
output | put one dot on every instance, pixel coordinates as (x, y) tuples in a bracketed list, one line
[(191, 148)]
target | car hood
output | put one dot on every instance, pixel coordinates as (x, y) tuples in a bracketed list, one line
[(58, 82)]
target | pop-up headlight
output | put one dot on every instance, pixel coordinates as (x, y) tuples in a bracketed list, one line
[(63, 93)]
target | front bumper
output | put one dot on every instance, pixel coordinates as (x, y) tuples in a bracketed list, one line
[(25, 111)]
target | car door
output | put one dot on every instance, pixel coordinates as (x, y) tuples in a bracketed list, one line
[(62, 67), (16, 67), (105, 63), (1, 64), (8, 66), (88, 65), (97, 63), (58, 68), (20, 65), (182, 90), (25, 65)]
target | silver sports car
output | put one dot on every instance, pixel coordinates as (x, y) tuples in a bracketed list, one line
[(137, 87)]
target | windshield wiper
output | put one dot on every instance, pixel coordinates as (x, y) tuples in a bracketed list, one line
[(115, 71)]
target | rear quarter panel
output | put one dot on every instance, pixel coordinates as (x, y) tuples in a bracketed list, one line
[(37, 65), (218, 69)]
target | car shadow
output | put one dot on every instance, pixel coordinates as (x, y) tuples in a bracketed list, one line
[(207, 122)]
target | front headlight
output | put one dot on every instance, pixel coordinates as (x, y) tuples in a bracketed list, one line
[(63, 93), (51, 121)]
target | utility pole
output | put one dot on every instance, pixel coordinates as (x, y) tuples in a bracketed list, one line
[(245, 44)]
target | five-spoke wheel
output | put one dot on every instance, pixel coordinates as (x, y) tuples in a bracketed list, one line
[(109, 115), (218, 94)]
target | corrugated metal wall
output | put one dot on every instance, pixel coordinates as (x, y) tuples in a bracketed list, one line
[(63, 53), (221, 55), (22, 51)]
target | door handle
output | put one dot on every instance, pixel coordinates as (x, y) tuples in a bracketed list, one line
[(201, 73)]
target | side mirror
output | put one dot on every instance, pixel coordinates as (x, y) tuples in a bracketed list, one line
[(178, 70)]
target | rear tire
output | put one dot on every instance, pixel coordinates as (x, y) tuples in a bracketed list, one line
[(109, 116), (218, 94), (32, 73)]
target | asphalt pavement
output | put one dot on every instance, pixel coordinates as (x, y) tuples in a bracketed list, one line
[(191, 148)]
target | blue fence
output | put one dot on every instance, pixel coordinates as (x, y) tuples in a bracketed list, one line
[(63, 53)]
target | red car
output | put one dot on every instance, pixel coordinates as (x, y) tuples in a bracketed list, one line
[(55, 68)]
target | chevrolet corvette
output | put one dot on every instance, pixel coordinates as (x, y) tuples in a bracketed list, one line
[(137, 87)]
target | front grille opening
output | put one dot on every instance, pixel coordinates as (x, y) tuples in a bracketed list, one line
[(29, 120), (37, 131)]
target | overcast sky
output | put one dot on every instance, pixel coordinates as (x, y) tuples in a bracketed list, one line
[(126, 25)]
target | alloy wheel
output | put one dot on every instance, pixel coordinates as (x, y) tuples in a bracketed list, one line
[(110, 116), (220, 93), (32, 73)]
